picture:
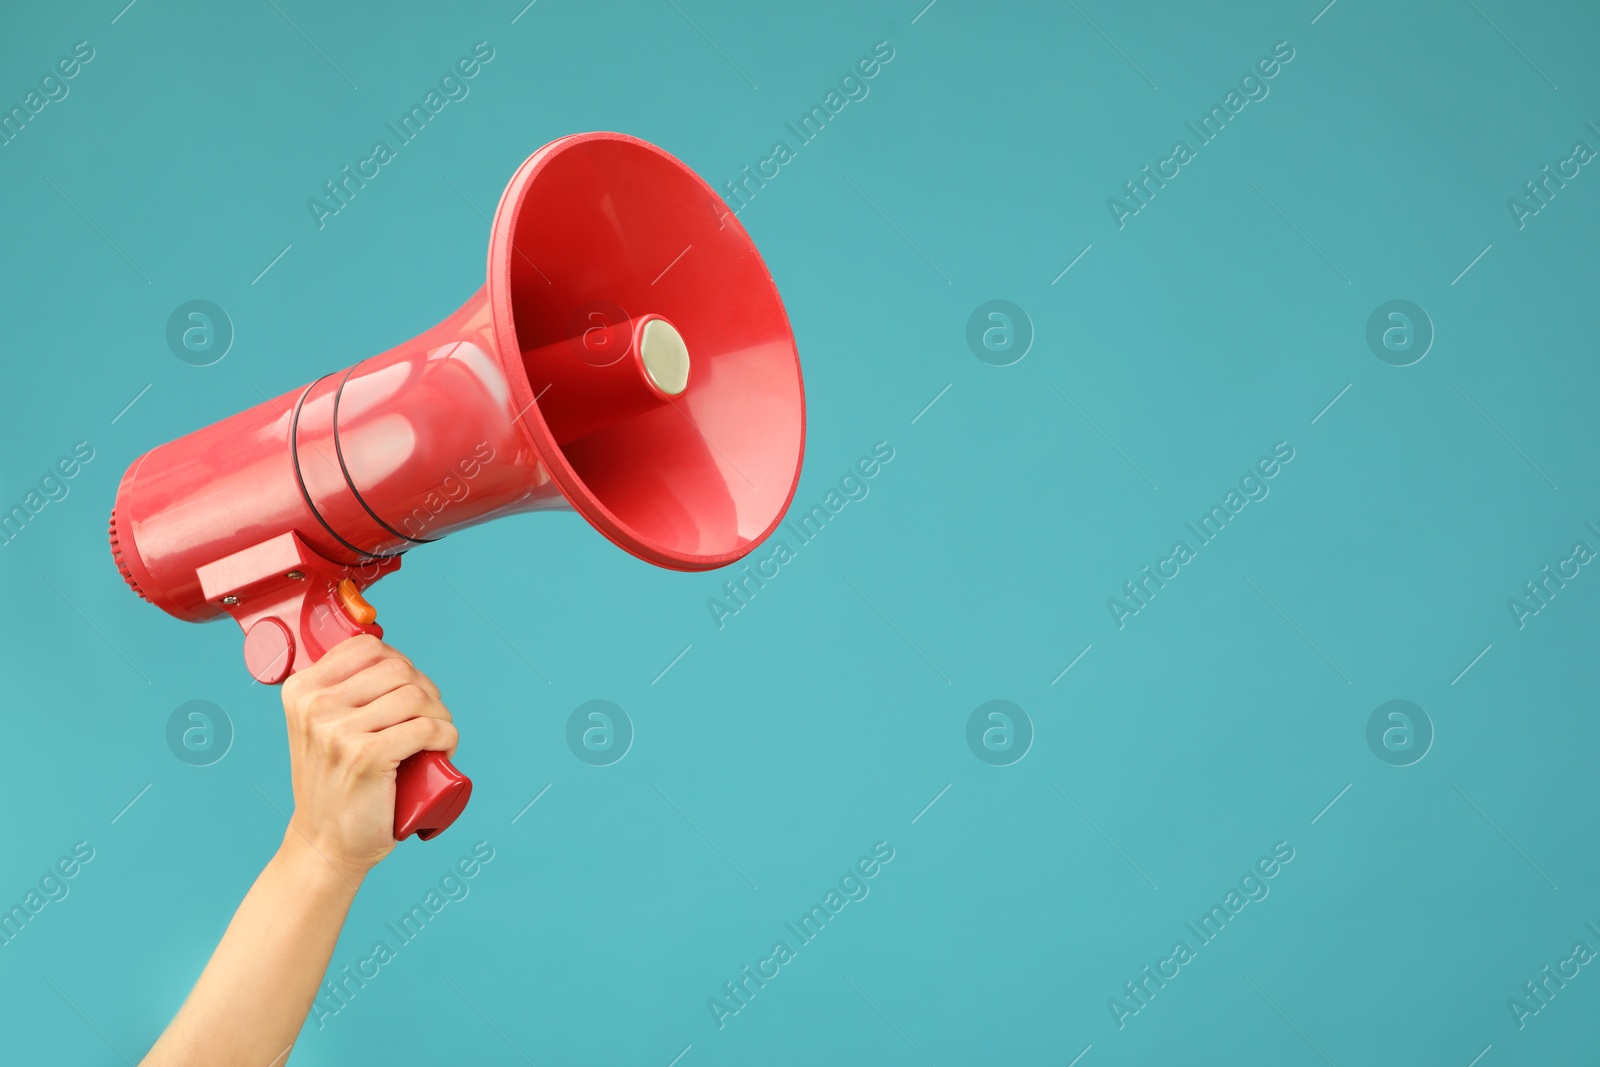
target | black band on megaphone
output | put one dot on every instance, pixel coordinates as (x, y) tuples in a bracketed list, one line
[(339, 452), (294, 459)]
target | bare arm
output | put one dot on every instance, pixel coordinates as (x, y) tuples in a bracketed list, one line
[(352, 718)]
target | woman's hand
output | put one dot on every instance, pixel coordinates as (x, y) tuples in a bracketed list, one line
[(353, 716)]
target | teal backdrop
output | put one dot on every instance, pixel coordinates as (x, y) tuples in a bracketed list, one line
[(1195, 747)]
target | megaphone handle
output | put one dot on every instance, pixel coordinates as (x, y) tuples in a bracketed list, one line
[(428, 795), (325, 600), (428, 791)]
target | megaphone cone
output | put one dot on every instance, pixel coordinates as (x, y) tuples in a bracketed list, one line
[(629, 358)]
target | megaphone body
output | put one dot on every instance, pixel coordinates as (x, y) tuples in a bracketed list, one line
[(628, 358)]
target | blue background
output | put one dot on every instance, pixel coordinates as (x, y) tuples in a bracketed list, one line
[(1225, 717)]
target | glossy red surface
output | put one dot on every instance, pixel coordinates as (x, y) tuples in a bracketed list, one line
[(603, 220), (261, 514)]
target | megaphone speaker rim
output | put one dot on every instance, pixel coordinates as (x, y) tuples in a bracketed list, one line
[(532, 424)]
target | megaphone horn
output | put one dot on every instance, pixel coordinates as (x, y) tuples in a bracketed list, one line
[(629, 358)]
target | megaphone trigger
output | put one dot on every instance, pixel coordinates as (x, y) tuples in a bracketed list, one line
[(355, 605)]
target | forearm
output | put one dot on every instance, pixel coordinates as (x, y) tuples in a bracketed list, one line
[(253, 997), (352, 718)]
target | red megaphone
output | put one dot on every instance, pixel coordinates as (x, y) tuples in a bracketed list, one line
[(629, 357)]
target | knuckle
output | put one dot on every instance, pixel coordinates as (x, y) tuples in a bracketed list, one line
[(413, 694), (397, 670), (365, 648), (335, 743), (366, 751), (300, 710)]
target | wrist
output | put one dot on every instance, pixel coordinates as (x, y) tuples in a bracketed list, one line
[(315, 869)]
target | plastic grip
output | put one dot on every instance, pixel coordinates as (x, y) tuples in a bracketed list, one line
[(429, 793)]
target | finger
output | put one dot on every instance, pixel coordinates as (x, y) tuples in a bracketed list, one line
[(380, 678), (341, 662), (424, 734), (393, 708)]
